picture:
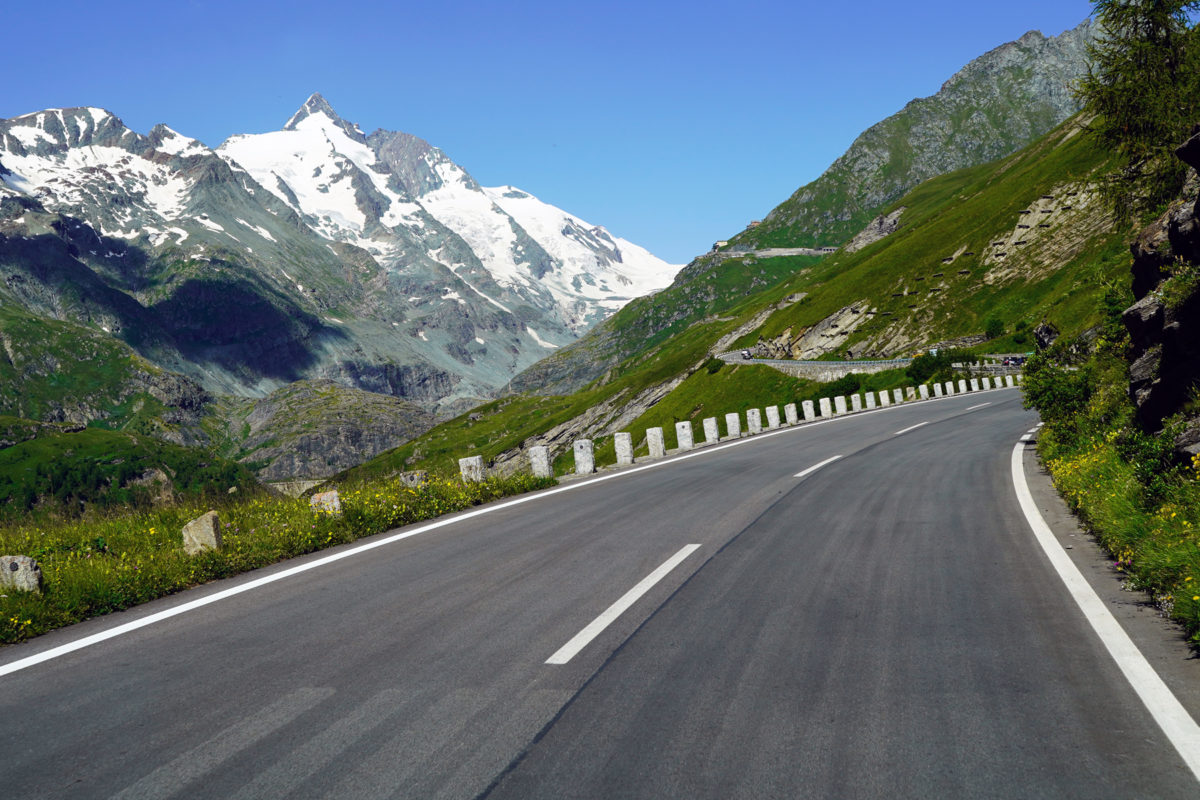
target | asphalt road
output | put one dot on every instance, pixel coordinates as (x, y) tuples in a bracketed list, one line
[(882, 626)]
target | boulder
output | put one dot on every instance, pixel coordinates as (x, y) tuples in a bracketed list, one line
[(202, 533), (1045, 335), (326, 502), (20, 573)]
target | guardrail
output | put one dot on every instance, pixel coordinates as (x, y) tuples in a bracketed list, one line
[(473, 469)]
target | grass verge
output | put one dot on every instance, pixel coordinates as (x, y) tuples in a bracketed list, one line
[(1126, 486), (99, 565)]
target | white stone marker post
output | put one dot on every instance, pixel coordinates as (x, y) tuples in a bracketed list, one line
[(949, 388), (754, 421), (910, 393), (712, 434), (1020, 378), (471, 468), (733, 426), (937, 390), (585, 457), (772, 417), (539, 461), (974, 384), (870, 400), (789, 413), (810, 413), (839, 405), (987, 384), (898, 396), (656, 442), (856, 402), (1008, 381), (683, 435), (923, 390), (962, 387), (826, 408), (623, 442), (885, 399)]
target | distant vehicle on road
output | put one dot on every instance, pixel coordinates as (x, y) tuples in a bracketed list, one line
[(745, 354)]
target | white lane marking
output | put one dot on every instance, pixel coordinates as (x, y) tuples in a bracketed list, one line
[(593, 629), (1181, 730), (816, 467), (981, 405), (173, 777), (914, 427), (1026, 437), (353, 550)]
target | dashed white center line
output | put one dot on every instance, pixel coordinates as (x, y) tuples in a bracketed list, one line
[(816, 467), (981, 405), (913, 427), (585, 636)]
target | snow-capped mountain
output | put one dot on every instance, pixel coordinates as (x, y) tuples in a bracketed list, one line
[(384, 191), (313, 251)]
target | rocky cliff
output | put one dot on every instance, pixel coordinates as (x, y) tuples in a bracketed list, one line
[(1164, 323)]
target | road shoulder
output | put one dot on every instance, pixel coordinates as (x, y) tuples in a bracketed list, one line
[(1160, 640)]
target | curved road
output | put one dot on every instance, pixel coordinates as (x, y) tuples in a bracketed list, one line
[(882, 625)]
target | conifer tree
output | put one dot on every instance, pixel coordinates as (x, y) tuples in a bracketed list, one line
[(1143, 90)]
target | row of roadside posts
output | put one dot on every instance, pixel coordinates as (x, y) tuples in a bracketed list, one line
[(472, 467)]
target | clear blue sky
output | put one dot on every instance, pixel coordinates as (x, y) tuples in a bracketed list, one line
[(673, 123)]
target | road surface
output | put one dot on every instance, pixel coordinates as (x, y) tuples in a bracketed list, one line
[(848, 609)]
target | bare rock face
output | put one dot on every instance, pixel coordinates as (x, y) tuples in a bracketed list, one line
[(202, 533), (314, 429), (882, 226), (1045, 335), (1165, 354), (20, 573)]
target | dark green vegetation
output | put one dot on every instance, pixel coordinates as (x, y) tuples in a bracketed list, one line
[(1143, 86), (66, 472), (1122, 410), (105, 564), (1129, 486)]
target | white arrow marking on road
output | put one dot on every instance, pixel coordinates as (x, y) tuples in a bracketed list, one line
[(581, 639)]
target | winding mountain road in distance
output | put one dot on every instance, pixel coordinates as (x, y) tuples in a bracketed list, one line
[(846, 609)]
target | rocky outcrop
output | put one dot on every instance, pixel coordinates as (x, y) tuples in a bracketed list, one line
[(314, 429), (1164, 323), (882, 226)]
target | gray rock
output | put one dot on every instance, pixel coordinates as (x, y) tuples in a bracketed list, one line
[(1144, 320), (202, 533), (1045, 335), (20, 573), (326, 502)]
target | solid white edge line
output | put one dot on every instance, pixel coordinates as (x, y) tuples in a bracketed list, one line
[(353, 550), (1168, 712), (913, 427), (610, 614), (816, 467)]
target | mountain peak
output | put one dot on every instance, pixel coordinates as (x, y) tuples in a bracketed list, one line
[(317, 105)]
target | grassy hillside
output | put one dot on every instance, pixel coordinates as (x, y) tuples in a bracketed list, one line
[(65, 472), (961, 256), (959, 264)]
